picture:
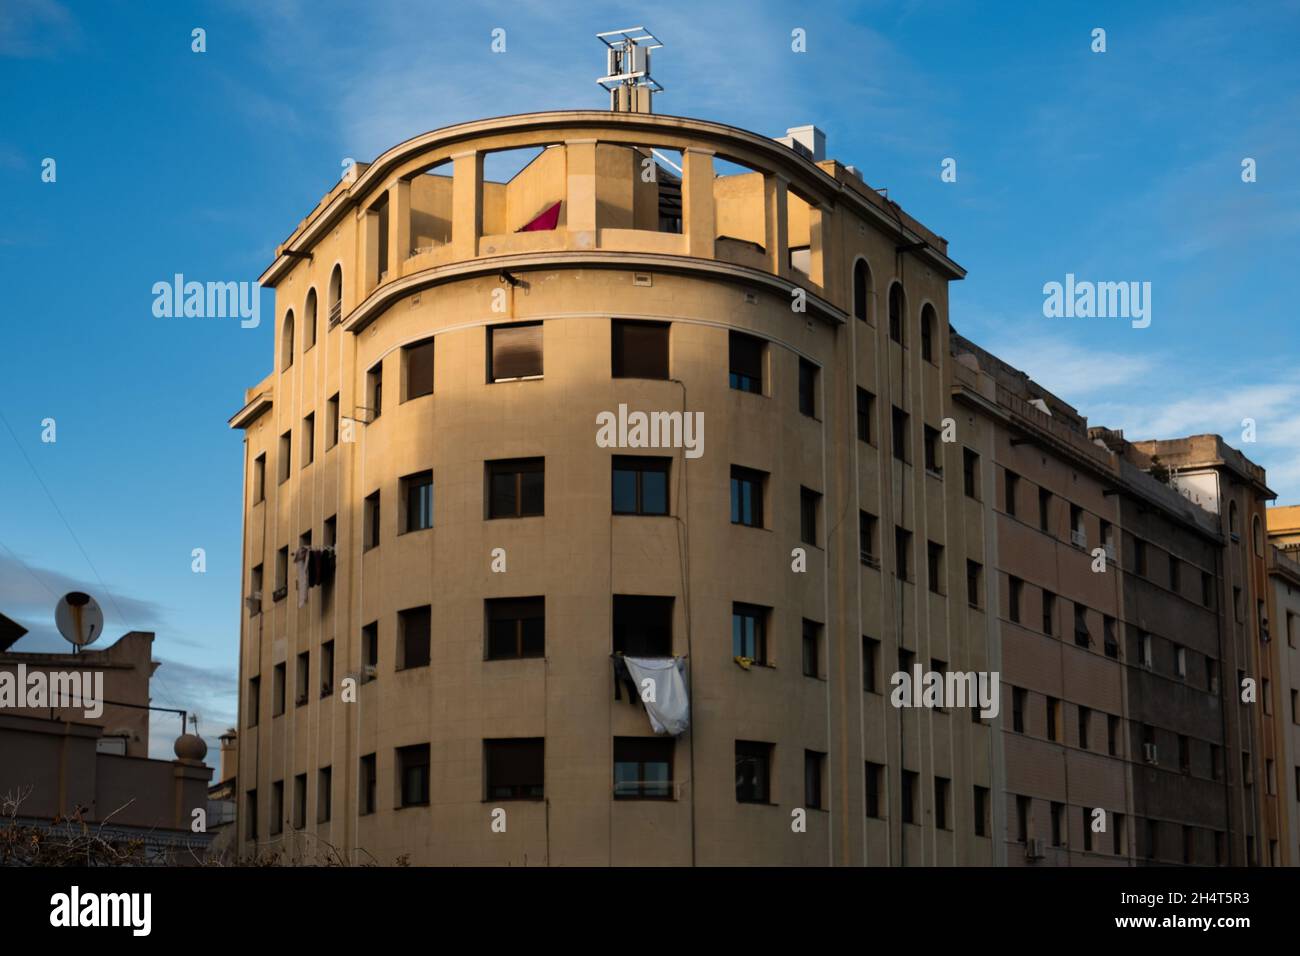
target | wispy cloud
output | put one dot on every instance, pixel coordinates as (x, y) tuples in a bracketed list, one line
[(36, 28)]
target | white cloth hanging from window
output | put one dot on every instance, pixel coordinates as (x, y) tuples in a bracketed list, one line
[(669, 706)]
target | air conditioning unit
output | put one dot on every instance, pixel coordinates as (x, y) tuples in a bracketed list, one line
[(1150, 754), (253, 602), (1079, 538), (1034, 849)]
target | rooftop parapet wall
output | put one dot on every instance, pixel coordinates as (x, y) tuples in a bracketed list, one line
[(1200, 451)]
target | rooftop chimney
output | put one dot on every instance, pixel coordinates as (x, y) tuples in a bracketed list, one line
[(808, 141)]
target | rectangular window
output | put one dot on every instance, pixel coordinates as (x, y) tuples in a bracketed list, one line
[(366, 781), (934, 566), (749, 632), (1140, 556), (898, 426), (875, 779), (417, 370), (970, 470), (910, 780), (1019, 696), (811, 645), (640, 349), (301, 671), (746, 362), (1109, 637), (1058, 824), (1022, 819), (902, 553), (1049, 613), (982, 827), (1053, 719), (1010, 489), (1145, 654), (866, 413), (933, 457), (300, 801), (515, 352), (255, 590), (1044, 510), (278, 678), (285, 456), (413, 775), (370, 645), (1082, 636), (812, 779), (1184, 753), (515, 768), (643, 768), (308, 439), (1180, 662), (808, 503), (370, 532), (1117, 833), (643, 626), (259, 478), (516, 487), (1015, 590), (324, 794), (516, 627), (414, 627), (974, 582), (753, 771), (747, 496), (332, 421), (1207, 588), (942, 786), (1085, 718), (640, 485), (277, 807), (254, 700), (867, 538), (417, 499), (807, 388), (1078, 533), (281, 573), (330, 531), (1175, 575), (327, 669), (870, 664), (375, 390)]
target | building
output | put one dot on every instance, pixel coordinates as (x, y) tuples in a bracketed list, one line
[(1283, 525)]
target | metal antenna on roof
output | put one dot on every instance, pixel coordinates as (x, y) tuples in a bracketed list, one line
[(628, 81)]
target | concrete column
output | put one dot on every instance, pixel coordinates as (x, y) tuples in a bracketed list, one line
[(776, 224), (369, 238), (466, 204), (699, 219), (580, 195), (399, 226), (820, 266)]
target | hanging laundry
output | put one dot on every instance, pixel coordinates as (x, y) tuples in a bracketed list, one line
[(623, 679), (300, 560), (669, 709)]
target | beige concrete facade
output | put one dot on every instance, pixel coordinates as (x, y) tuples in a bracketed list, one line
[(1283, 524)]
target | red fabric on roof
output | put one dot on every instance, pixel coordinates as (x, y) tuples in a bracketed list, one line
[(548, 218)]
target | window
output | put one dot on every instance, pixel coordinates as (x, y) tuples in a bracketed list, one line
[(417, 500), (871, 664), (1237, 610), (300, 679), (370, 532), (970, 469), (933, 457), (898, 428), (370, 645), (866, 412), (934, 566), (300, 801), (1011, 484), (417, 370), (808, 501), (515, 768), (309, 322), (902, 553), (1145, 655), (286, 342), (643, 626), (259, 478), (1053, 719), (974, 579), (1140, 556), (1085, 718), (640, 349), (1022, 819), (1082, 636), (1175, 574), (812, 779), (330, 531), (906, 660), (927, 332), (1216, 762), (1109, 639), (910, 779), (1184, 754), (1044, 510), (643, 768), (749, 632), (413, 627), (897, 308), (281, 573), (327, 669), (1180, 662), (515, 352), (1049, 613), (1058, 824), (942, 786), (1019, 696), (255, 591), (516, 488), (366, 781), (807, 388), (982, 827), (277, 807), (641, 485), (254, 700), (278, 678), (753, 771), (413, 775), (875, 776), (1117, 833), (285, 456), (861, 289), (1015, 589), (1153, 839), (1112, 735), (746, 362), (516, 627), (1078, 533), (332, 421), (375, 390), (335, 298), (324, 794), (867, 538), (811, 644), (747, 496)]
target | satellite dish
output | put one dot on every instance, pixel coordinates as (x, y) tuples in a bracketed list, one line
[(79, 618)]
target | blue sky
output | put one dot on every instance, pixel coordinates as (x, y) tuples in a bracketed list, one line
[(1118, 166)]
